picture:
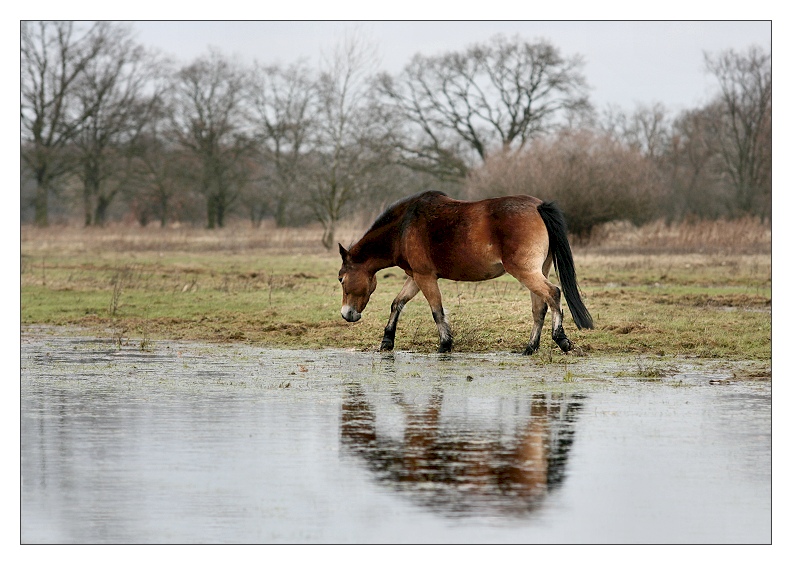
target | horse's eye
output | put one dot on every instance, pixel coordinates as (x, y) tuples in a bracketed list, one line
[(340, 279)]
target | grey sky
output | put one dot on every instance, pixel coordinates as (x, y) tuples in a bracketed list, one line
[(625, 62)]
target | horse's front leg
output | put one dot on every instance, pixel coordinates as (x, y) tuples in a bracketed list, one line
[(408, 291), (428, 285)]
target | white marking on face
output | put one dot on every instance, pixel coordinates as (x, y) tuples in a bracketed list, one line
[(349, 313)]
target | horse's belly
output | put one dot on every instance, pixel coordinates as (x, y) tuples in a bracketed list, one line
[(472, 272)]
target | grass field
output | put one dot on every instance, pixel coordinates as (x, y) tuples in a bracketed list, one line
[(692, 289)]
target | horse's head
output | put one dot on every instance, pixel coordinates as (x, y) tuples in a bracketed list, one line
[(357, 283)]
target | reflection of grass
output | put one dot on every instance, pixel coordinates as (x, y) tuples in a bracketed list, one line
[(701, 305)]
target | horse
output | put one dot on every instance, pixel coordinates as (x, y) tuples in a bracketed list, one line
[(431, 236), (461, 465)]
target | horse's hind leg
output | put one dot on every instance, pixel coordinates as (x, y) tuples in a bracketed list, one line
[(408, 291), (542, 291), (558, 329), (539, 309), (551, 296)]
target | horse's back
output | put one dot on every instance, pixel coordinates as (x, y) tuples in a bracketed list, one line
[(437, 206), (517, 204), (467, 240)]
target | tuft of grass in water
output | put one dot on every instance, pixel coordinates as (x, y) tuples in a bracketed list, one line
[(648, 371), (146, 343), (115, 297)]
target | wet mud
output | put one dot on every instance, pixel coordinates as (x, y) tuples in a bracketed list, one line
[(201, 443)]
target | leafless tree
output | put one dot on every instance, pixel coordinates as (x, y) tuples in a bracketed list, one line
[(54, 56), (209, 120), (283, 104), (647, 129), (119, 91), (494, 97), (160, 173), (741, 132), (344, 164), (695, 184)]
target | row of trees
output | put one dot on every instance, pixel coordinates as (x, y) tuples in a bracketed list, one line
[(708, 162), (114, 130)]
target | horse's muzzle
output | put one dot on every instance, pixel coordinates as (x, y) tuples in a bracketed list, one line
[(350, 314)]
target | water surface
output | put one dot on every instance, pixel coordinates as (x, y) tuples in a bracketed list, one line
[(198, 443)]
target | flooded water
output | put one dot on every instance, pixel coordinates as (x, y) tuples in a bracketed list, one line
[(197, 443)]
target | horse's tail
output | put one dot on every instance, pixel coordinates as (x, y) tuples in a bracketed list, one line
[(564, 264)]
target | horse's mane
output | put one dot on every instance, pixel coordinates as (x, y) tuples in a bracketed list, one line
[(395, 210)]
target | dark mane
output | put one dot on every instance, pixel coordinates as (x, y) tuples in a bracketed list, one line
[(394, 210)]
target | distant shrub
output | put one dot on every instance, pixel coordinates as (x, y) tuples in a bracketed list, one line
[(594, 179)]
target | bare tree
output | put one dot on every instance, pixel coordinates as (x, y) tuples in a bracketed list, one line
[(647, 129), (695, 183), (119, 91), (344, 163), (209, 120), (284, 107), (54, 56), (741, 132), (159, 174), (493, 97)]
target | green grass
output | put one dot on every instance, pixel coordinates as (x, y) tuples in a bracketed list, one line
[(668, 304)]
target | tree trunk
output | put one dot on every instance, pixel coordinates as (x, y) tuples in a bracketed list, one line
[(220, 209), (90, 193), (211, 211), (163, 212), (102, 205), (280, 211), (87, 206), (328, 237), (41, 204)]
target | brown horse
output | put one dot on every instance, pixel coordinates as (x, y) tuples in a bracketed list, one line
[(459, 465), (431, 236)]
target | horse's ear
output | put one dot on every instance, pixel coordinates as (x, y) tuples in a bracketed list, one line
[(344, 253)]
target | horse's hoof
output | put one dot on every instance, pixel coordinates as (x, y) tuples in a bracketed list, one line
[(530, 350), (444, 348), (565, 345), (386, 345)]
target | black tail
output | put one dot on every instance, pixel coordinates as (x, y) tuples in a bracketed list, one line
[(564, 264)]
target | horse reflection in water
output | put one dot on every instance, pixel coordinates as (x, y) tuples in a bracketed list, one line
[(458, 468)]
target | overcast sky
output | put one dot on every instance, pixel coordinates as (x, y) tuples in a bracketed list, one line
[(625, 62)]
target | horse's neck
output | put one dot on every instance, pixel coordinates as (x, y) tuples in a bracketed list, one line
[(376, 248)]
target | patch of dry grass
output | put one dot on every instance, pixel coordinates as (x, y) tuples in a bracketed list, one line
[(745, 235), (235, 239)]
